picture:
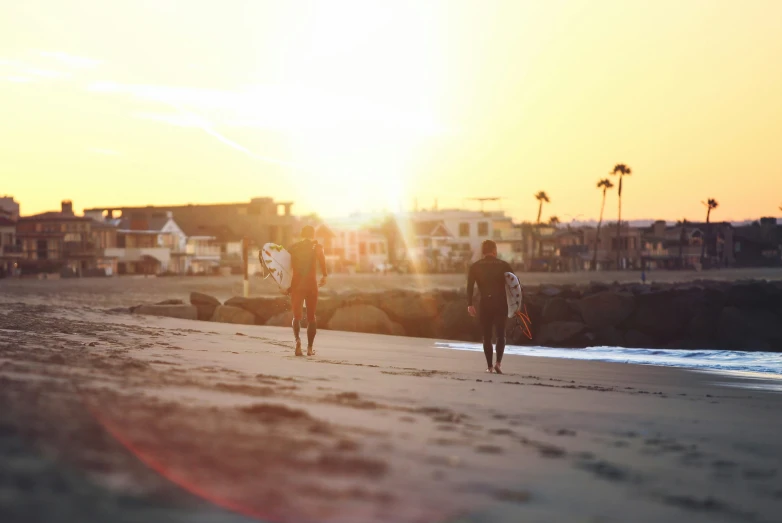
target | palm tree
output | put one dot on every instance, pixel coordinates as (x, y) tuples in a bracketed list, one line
[(541, 197), (710, 204), (603, 184), (622, 170), (553, 221)]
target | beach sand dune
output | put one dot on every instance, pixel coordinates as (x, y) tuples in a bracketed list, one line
[(112, 417)]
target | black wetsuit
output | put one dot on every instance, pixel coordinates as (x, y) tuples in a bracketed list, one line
[(489, 274)]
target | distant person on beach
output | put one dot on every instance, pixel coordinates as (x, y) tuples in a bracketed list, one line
[(489, 274), (306, 255)]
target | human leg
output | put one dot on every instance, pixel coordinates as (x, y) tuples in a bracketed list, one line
[(499, 328), (297, 306), (312, 322), (486, 328)]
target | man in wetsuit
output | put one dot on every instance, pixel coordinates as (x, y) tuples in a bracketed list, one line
[(489, 274), (306, 255)]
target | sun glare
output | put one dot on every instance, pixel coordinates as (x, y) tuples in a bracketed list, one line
[(364, 80)]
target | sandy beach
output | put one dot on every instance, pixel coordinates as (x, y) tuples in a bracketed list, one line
[(113, 417)]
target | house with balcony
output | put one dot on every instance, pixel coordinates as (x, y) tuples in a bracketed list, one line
[(758, 244), (681, 246), (262, 220), (450, 239), (627, 248), (510, 242), (353, 249), (139, 243), (56, 242), (10, 251)]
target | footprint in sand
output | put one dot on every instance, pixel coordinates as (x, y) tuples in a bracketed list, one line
[(501, 432), (489, 449)]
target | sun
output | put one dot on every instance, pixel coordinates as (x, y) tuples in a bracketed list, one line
[(362, 82)]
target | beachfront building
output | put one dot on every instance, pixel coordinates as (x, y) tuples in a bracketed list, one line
[(758, 244), (262, 220), (56, 242), (680, 246), (450, 239), (509, 238), (628, 246), (10, 251), (358, 250), (138, 243), (9, 207)]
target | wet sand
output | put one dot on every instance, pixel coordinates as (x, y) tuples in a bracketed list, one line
[(112, 417)]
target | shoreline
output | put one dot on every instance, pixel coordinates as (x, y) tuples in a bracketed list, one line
[(630, 356)]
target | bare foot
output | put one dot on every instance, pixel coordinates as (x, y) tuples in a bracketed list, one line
[(489, 370), (497, 369)]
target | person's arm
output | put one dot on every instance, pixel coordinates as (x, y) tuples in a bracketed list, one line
[(319, 253), (470, 284)]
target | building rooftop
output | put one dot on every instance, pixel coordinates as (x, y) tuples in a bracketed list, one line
[(226, 221), (54, 216)]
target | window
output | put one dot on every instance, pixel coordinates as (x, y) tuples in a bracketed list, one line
[(42, 249), (483, 229), (362, 248), (464, 229), (372, 248)]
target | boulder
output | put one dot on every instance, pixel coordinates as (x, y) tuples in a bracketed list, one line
[(662, 315), (765, 326), (185, 312), (326, 309), (606, 308), (558, 333), (397, 329), (283, 319), (609, 336), (732, 328), (753, 295), (205, 312), (198, 298), (736, 330), (594, 288), (558, 309), (415, 312), (261, 308), (361, 318), (638, 340), (410, 307), (454, 323), (702, 329), (229, 314)]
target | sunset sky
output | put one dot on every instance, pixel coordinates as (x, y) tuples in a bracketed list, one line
[(348, 106)]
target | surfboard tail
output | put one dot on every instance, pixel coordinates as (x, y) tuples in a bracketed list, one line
[(526, 322)]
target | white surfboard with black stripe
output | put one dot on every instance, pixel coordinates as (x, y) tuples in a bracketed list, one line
[(513, 293), (277, 264)]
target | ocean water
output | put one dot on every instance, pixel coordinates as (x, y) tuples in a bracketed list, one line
[(750, 365)]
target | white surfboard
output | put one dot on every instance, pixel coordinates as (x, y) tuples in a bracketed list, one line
[(276, 262), (513, 293)]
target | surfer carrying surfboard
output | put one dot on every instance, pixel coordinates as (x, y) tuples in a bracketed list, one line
[(489, 274), (306, 255)]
